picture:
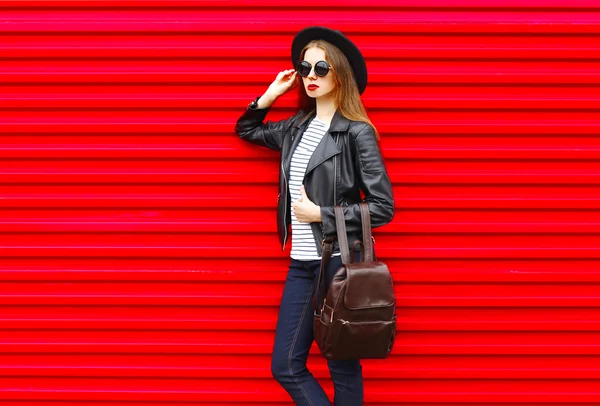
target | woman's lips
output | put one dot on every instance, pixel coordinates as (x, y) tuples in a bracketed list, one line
[(312, 87)]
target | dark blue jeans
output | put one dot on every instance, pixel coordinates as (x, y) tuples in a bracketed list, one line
[(294, 337)]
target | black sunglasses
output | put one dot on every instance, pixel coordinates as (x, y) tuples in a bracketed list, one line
[(321, 68)]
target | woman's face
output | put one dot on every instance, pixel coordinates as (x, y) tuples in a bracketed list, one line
[(326, 83)]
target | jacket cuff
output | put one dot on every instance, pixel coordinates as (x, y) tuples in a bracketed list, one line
[(328, 220), (257, 112), (250, 117)]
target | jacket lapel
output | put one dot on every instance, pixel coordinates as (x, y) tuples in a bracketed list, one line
[(324, 150), (297, 131), (327, 148)]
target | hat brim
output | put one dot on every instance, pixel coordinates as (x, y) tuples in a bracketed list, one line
[(355, 57)]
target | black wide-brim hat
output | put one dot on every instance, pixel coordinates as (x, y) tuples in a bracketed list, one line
[(335, 37)]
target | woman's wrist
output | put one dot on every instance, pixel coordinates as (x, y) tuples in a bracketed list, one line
[(317, 215), (266, 100)]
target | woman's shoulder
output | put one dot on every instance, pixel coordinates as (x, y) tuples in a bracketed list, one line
[(359, 126), (362, 131)]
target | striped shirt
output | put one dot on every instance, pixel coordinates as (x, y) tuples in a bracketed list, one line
[(303, 242)]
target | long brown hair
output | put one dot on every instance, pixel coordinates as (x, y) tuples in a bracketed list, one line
[(347, 97)]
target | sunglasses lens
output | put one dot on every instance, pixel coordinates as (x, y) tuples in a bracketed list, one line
[(321, 68), (303, 68)]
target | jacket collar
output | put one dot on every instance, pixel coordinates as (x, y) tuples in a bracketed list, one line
[(338, 123), (327, 148)]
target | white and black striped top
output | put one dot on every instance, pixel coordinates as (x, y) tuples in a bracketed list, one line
[(303, 242)]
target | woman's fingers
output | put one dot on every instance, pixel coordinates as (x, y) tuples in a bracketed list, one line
[(283, 74)]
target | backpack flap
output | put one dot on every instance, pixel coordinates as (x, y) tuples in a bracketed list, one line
[(368, 285)]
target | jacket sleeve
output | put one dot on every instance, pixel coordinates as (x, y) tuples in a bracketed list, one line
[(250, 127), (373, 181)]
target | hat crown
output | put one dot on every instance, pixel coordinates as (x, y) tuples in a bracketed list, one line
[(337, 39)]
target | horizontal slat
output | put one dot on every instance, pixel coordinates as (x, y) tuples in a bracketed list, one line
[(250, 342), (258, 366), (113, 402), (433, 196), (539, 246), (264, 221), (224, 46), (240, 294), (244, 21), (228, 172), (252, 403), (382, 72), (173, 96), (385, 390), (222, 124), (421, 270), (206, 147), (386, 5), (410, 318), (137, 293)]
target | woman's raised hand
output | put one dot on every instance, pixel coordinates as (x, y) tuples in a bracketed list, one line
[(285, 81)]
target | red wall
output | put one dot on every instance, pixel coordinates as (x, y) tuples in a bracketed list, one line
[(138, 250)]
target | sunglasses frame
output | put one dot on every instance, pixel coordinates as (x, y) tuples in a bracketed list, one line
[(329, 67)]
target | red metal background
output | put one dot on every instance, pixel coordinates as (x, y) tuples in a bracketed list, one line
[(138, 251)]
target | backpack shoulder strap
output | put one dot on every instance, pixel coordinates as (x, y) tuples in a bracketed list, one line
[(366, 229), (340, 225)]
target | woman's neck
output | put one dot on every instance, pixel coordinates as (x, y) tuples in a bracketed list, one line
[(325, 109)]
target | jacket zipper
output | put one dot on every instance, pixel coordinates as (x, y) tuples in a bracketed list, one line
[(337, 136), (334, 187), (285, 207)]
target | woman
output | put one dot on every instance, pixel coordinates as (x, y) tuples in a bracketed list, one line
[(329, 153)]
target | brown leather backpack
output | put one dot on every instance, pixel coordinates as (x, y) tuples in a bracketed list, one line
[(357, 318)]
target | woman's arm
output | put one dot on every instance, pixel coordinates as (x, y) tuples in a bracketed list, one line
[(373, 181), (250, 126)]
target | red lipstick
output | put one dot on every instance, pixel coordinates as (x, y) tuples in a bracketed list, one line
[(312, 87)]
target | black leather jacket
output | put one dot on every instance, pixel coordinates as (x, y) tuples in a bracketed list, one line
[(349, 150)]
